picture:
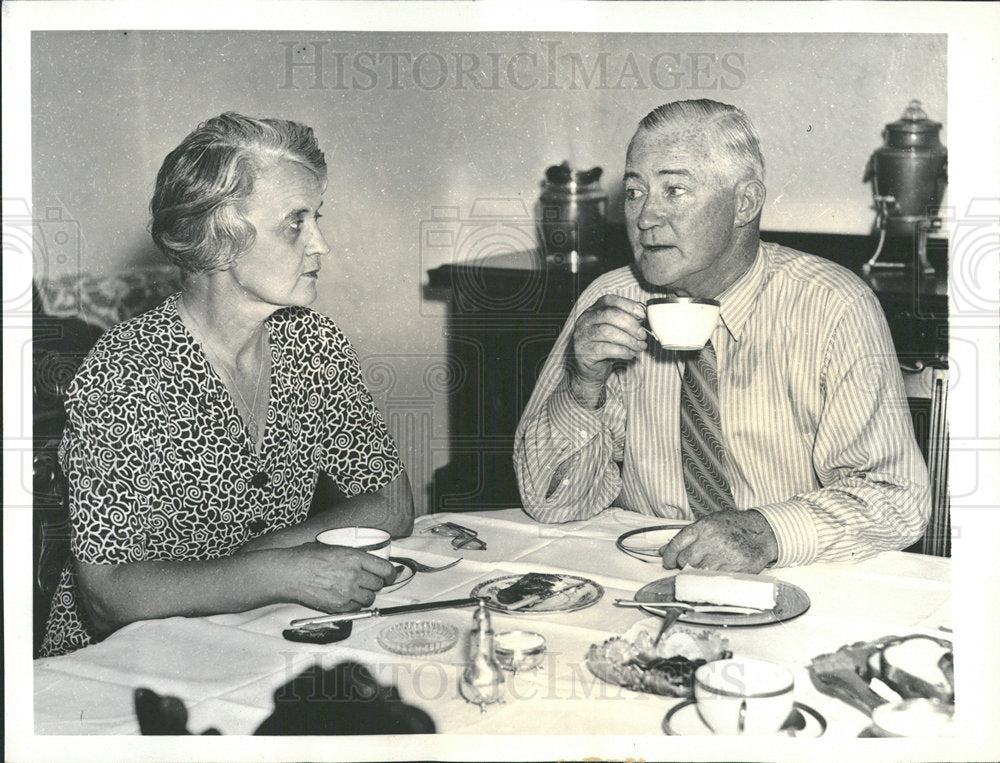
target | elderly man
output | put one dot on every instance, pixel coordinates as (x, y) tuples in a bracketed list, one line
[(802, 398)]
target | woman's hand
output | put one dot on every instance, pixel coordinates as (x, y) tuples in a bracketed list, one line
[(328, 578), (333, 578)]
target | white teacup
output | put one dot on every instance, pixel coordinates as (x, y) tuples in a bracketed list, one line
[(682, 323), (913, 718), (742, 696), (370, 539)]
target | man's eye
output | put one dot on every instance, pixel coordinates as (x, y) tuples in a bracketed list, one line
[(633, 193), (676, 190)]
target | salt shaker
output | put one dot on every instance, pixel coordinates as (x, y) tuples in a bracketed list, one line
[(482, 682)]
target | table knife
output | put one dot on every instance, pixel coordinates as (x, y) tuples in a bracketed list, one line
[(713, 609), (384, 612)]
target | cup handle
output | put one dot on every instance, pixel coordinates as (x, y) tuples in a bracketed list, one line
[(742, 722)]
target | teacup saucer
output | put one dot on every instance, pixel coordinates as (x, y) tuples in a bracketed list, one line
[(404, 575), (684, 720)]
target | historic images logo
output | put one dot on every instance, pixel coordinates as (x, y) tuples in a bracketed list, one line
[(319, 65), (50, 241)]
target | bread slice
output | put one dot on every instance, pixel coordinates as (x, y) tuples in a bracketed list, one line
[(728, 588)]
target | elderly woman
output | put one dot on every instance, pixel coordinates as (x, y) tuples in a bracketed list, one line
[(197, 431)]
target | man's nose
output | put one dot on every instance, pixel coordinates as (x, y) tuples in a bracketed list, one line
[(651, 214)]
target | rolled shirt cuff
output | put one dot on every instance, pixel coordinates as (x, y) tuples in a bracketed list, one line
[(795, 531), (576, 424)]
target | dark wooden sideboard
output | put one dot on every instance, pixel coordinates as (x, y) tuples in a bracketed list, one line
[(505, 312)]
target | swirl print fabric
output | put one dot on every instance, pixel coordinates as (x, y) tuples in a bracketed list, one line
[(161, 466)]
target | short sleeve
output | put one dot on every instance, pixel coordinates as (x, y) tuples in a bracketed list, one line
[(106, 464), (358, 452)]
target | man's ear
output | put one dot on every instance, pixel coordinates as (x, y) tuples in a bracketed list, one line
[(750, 195)]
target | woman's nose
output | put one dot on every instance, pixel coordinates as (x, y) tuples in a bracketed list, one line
[(317, 243)]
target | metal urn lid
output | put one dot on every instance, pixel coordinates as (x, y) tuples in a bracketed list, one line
[(913, 129), (562, 176)]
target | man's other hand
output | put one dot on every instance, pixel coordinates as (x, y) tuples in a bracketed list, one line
[(732, 541)]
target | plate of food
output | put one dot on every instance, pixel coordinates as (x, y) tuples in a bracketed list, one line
[(538, 593), (775, 601), (634, 662), (645, 543), (905, 669)]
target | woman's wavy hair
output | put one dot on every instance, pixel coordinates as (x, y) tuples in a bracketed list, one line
[(737, 143), (197, 220)]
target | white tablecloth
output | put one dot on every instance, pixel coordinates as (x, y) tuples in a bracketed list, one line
[(226, 667)]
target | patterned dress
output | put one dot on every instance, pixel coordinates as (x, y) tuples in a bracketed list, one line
[(161, 466)]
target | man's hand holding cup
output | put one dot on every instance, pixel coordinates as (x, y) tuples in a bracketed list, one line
[(609, 331)]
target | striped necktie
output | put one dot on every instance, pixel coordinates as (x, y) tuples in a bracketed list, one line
[(702, 451)]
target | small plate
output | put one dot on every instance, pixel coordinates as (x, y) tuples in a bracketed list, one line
[(417, 637), (644, 544), (685, 720), (588, 594), (404, 576), (792, 601)]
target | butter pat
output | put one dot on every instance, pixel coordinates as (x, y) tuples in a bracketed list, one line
[(728, 588)]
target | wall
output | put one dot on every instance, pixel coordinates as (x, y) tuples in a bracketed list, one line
[(418, 120)]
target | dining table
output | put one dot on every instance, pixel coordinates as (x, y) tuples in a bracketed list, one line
[(225, 668)]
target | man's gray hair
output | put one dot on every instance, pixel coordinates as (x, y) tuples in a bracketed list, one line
[(737, 137)]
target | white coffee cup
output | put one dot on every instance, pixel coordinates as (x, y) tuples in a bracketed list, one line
[(916, 717), (370, 539), (682, 323), (743, 696)]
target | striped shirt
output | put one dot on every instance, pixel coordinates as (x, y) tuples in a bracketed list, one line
[(815, 421)]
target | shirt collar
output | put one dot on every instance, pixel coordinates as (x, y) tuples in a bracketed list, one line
[(737, 302)]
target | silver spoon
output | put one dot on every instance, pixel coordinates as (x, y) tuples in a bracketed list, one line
[(420, 567)]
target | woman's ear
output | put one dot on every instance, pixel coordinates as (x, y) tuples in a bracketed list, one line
[(750, 195)]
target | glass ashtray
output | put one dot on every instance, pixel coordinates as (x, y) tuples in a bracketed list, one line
[(519, 650), (415, 637)]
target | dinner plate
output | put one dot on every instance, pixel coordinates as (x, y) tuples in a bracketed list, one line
[(685, 720), (645, 543), (791, 601), (586, 595), (404, 576)]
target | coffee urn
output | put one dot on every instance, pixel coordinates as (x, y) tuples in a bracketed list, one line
[(908, 174), (572, 209)]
